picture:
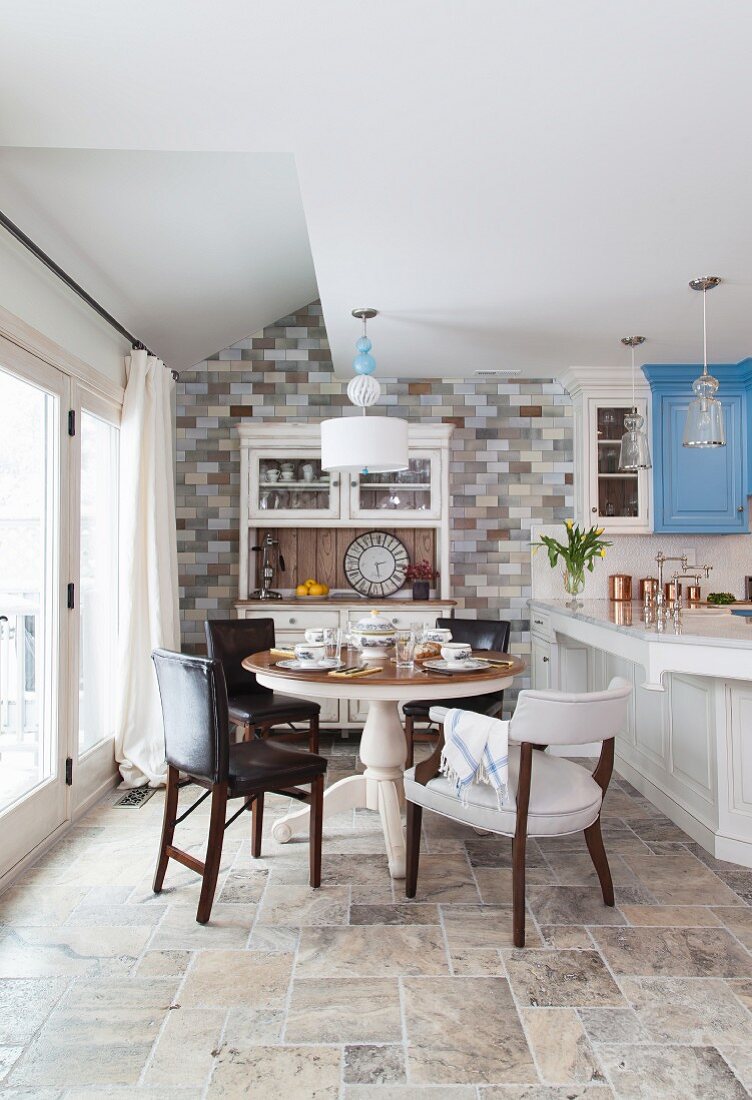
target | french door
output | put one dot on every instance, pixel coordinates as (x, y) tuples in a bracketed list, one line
[(58, 593)]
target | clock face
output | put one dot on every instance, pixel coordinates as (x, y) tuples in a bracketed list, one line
[(376, 563)]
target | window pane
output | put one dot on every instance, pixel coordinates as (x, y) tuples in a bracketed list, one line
[(98, 583), (28, 578)]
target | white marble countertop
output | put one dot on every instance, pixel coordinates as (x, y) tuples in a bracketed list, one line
[(702, 626)]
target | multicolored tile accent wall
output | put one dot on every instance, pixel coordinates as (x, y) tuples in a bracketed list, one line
[(511, 464)]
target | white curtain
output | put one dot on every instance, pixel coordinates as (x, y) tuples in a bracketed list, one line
[(148, 567)]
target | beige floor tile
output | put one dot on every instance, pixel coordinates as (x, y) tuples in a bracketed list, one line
[(248, 1027), (446, 878), (739, 921), (546, 1092), (479, 961), (612, 1025), (183, 1052), (673, 952), (25, 1003), (52, 952), (407, 1092), (680, 879), (40, 906), (561, 1047), (660, 1072), (295, 1073), (571, 905), (576, 869), (8, 1058), (344, 1010), (163, 964), (567, 979), (462, 1030), (229, 927), (697, 1011), (468, 926), (243, 886), (371, 950), (564, 937), (400, 913), (672, 916), (302, 906), (238, 979), (374, 1065)]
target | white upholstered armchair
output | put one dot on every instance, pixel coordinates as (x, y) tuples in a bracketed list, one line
[(548, 795)]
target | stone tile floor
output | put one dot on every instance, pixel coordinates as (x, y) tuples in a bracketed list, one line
[(351, 992)]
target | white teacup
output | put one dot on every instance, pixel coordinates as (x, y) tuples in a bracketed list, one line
[(288, 475), (308, 472), (456, 653), (272, 475), (309, 654), (315, 635), (437, 634)]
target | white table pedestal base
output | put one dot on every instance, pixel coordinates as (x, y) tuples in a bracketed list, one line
[(382, 750)]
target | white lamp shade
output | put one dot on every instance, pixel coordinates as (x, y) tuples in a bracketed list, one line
[(376, 444)]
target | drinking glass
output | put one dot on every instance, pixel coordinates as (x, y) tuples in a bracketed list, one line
[(404, 649), (333, 642)]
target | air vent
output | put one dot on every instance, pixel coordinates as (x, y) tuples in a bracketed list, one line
[(134, 798), (498, 372)]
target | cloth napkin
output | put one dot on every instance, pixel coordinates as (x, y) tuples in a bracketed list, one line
[(476, 750), (359, 672)]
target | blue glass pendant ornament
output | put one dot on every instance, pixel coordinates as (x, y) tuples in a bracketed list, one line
[(363, 363)]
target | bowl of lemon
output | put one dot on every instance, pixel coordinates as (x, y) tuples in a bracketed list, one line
[(311, 589)]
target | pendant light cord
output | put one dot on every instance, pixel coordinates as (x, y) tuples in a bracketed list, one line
[(634, 405), (704, 332)]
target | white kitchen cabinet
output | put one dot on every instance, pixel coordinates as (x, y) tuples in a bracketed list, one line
[(604, 495), (404, 496), (540, 663), (288, 483)]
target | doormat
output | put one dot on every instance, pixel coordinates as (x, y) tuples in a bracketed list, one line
[(136, 797)]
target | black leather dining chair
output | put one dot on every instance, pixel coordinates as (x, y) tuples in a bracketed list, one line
[(489, 634), (256, 708), (197, 744)]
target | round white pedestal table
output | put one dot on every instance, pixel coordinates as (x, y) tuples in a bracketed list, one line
[(382, 745)]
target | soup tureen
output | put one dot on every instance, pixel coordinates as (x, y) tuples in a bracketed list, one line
[(373, 635)]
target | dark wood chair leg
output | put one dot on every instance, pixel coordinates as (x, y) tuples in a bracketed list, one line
[(315, 829), (594, 841), (409, 734), (518, 891), (414, 819), (519, 844), (313, 734), (213, 852), (168, 826), (257, 827)]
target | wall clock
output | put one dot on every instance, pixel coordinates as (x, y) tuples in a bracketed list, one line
[(375, 563)]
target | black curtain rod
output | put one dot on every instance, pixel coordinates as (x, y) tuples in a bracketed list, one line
[(64, 277)]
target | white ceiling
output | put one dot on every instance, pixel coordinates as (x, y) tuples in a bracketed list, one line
[(511, 182), (189, 251)]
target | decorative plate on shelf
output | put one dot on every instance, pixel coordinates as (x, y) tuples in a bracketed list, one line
[(376, 563)]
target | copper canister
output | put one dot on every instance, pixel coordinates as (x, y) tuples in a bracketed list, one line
[(620, 586), (648, 588), (621, 613), (694, 593), (672, 591)]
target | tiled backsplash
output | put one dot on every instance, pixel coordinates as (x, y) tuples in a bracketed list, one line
[(730, 556), (511, 464)]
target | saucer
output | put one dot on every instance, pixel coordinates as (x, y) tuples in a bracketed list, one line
[(326, 665), (472, 664)]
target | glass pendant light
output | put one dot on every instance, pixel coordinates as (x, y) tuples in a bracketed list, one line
[(367, 444), (704, 424), (634, 453)]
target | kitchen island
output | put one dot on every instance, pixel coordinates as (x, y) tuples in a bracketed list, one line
[(688, 745)]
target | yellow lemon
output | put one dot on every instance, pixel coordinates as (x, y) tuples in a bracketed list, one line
[(301, 590), (310, 580), (326, 589), (317, 590)]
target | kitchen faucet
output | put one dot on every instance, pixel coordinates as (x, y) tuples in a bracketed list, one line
[(696, 577), (661, 558)]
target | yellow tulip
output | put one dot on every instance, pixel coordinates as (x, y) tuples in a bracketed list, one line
[(603, 551), (569, 523), (599, 530)]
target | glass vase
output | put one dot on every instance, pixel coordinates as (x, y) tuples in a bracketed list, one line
[(574, 584)]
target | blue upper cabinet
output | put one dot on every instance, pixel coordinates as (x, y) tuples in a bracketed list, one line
[(697, 490)]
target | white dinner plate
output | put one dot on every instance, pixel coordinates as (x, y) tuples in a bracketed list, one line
[(474, 664), (326, 665)]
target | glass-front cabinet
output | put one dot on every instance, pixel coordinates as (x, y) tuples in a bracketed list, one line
[(604, 495), (412, 494), (289, 485)]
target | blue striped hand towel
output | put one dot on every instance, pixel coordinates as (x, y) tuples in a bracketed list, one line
[(476, 750)]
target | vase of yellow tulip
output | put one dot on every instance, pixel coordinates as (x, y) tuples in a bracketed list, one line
[(579, 553)]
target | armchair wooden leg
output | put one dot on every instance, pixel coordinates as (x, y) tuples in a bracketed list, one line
[(409, 734), (213, 852), (315, 829), (594, 841), (414, 819), (257, 811), (313, 734), (518, 890), (168, 826)]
